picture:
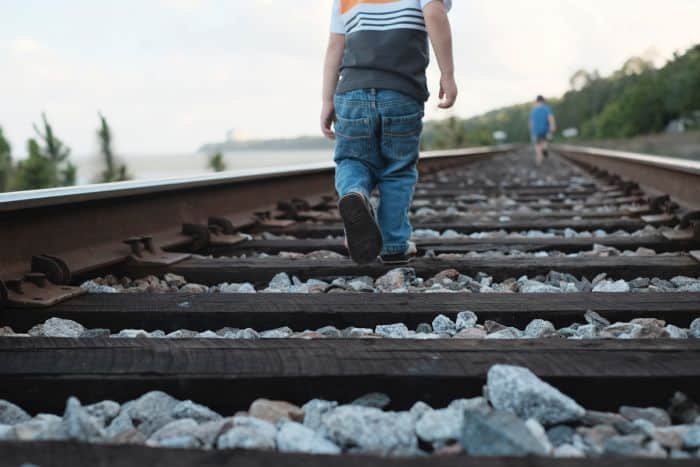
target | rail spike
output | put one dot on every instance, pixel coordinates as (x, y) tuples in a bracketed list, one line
[(144, 251), (35, 290)]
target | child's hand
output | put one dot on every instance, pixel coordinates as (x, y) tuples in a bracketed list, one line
[(327, 119), (448, 91)]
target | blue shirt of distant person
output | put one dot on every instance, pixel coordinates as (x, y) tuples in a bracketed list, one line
[(540, 118)]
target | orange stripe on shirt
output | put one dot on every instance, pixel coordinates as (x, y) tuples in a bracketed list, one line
[(347, 5)]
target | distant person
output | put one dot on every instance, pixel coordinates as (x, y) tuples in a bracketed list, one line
[(374, 91), (542, 127)]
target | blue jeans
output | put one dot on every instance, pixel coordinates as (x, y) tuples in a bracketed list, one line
[(377, 145)]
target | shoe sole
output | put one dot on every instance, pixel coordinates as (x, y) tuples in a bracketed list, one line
[(401, 262), (361, 230)]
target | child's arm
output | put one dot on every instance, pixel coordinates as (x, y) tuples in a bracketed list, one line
[(440, 34), (331, 70)]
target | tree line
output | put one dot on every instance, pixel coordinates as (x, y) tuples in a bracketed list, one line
[(637, 99), (48, 163)]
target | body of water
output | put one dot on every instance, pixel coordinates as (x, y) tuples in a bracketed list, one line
[(178, 165)]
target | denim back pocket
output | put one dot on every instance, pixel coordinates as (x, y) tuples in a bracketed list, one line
[(352, 137), (401, 136)]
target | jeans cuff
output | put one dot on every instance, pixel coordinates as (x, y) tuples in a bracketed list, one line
[(394, 248)]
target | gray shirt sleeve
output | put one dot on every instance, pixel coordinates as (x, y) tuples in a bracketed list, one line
[(337, 24), (448, 3)]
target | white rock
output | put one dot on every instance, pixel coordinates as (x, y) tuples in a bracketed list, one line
[(79, 425), (440, 425), (567, 450), (395, 331), (612, 287), (370, 430), (197, 412), (419, 408), (675, 332), (93, 287), (11, 414), (695, 328), (279, 333), (507, 333), (295, 437), (534, 287), (466, 319), (209, 335), (281, 281), (57, 327), (538, 328), (104, 411), (236, 288), (175, 429), (121, 424), (518, 390), (538, 432), (132, 334), (444, 325), (249, 433), (314, 410), (7, 433)]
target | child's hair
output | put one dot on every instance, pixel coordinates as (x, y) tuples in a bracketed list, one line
[(541, 99)]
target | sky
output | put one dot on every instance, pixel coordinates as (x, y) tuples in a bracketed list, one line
[(171, 75)]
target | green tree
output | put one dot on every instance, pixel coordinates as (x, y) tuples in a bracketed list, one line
[(35, 171), (48, 163), (217, 163), (114, 172), (639, 110), (5, 162), (636, 99)]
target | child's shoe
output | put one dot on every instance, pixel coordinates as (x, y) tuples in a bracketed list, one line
[(362, 234)]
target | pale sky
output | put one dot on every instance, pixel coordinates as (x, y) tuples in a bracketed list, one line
[(171, 75)]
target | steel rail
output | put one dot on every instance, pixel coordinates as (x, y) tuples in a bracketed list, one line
[(678, 178), (86, 226), (54, 196)]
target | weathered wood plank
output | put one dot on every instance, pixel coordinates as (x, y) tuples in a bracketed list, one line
[(310, 230), (346, 357), (56, 454), (214, 311), (216, 271), (465, 245), (228, 374)]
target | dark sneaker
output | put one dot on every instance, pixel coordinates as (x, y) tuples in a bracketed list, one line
[(399, 259), (364, 239)]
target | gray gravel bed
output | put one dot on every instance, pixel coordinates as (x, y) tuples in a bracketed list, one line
[(428, 234), (401, 280), (506, 207), (597, 250), (466, 326), (517, 415)]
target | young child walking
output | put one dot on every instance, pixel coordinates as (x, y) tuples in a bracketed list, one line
[(374, 92)]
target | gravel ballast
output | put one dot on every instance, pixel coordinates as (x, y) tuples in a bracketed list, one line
[(465, 326), (401, 280), (519, 415)]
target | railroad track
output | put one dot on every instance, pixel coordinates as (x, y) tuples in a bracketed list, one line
[(233, 291)]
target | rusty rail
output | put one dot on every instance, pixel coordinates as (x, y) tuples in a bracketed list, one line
[(678, 178), (65, 232)]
